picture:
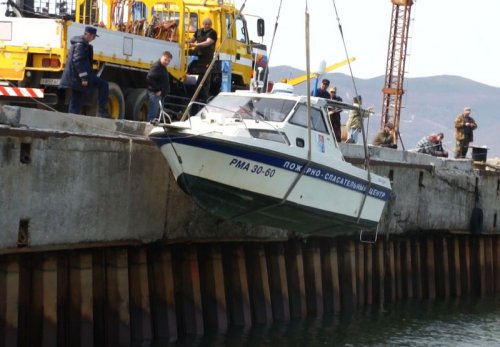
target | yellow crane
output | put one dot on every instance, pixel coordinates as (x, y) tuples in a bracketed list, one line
[(312, 75)]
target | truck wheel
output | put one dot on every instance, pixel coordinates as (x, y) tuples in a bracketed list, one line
[(137, 105), (116, 103)]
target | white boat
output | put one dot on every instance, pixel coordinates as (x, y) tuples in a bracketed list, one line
[(253, 158)]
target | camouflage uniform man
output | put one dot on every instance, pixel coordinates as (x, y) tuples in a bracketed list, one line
[(464, 127)]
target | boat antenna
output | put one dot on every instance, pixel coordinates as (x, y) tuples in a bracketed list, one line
[(308, 85)]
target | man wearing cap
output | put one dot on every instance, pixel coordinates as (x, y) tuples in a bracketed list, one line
[(334, 113), (464, 127), (322, 91), (79, 76), (385, 137)]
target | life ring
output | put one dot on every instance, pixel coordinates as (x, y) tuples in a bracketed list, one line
[(476, 221)]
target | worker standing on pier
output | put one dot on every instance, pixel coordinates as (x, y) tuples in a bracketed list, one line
[(355, 120), (79, 75), (203, 44), (158, 84), (464, 127)]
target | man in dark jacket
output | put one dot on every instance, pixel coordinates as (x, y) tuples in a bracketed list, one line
[(203, 45), (322, 91), (158, 84), (79, 76), (334, 114)]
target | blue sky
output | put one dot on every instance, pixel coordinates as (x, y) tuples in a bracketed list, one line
[(447, 37)]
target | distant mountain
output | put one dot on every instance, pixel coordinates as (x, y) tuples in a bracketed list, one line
[(430, 104)]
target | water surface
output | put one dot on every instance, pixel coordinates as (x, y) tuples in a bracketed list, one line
[(451, 323)]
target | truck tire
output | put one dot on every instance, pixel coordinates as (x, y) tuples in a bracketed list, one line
[(137, 105), (116, 103)]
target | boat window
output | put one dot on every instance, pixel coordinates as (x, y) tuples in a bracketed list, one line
[(251, 107), (270, 135), (300, 118)]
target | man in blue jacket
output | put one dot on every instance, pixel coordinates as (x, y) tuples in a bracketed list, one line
[(79, 76)]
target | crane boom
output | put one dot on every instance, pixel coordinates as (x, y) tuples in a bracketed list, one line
[(300, 79), (395, 68)]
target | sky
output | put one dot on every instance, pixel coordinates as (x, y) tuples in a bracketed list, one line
[(446, 37)]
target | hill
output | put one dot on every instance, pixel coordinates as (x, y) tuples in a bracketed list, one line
[(430, 104)]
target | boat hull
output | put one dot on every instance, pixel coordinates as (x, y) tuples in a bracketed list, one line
[(231, 203), (247, 183)]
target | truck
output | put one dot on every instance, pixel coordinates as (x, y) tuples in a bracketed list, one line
[(35, 39)]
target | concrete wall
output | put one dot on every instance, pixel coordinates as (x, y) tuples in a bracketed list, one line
[(431, 193), (71, 179)]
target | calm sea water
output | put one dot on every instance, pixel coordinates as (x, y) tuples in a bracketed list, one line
[(451, 323)]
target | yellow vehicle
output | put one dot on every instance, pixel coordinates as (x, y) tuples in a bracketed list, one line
[(34, 43)]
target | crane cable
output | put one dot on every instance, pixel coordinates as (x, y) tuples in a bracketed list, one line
[(272, 40), (363, 133)]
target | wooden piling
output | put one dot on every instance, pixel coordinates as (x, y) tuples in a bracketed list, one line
[(369, 267), (330, 276), (496, 263), (312, 276), (441, 265), (163, 307), (188, 291), (417, 269), (81, 299), (360, 274), (238, 295), (117, 297), (488, 264), (390, 273), (465, 265), (430, 271), (407, 268), (213, 288), (379, 278), (140, 313), (296, 284), (455, 275), (258, 283), (278, 283), (45, 300), (398, 254), (9, 300)]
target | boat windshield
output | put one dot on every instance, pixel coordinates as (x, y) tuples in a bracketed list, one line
[(250, 107)]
